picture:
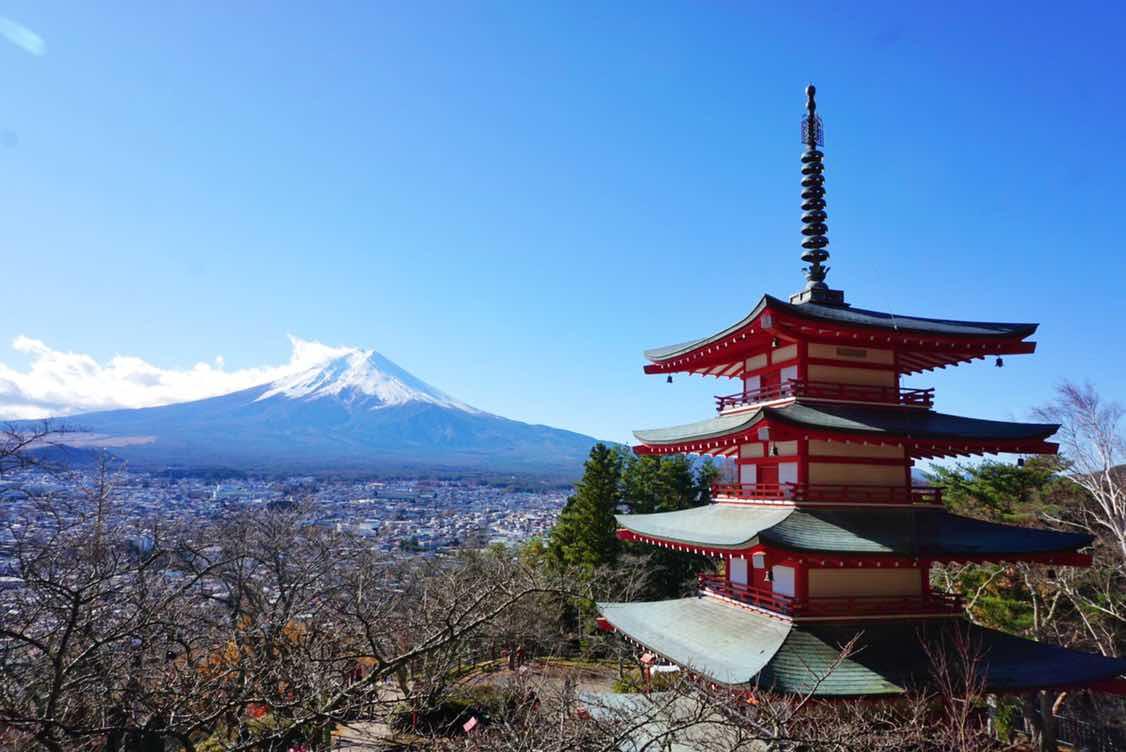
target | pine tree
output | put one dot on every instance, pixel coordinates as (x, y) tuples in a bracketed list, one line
[(653, 483), (585, 534), (641, 489), (706, 475), (677, 483)]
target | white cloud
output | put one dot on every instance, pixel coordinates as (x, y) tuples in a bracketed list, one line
[(22, 37), (63, 383)]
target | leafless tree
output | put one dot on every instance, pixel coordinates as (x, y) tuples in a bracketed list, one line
[(76, 633), (18, 440), (250, 633), (1091, 438), (946, 714)]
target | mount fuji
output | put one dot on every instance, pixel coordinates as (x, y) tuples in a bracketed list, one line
[(358, 411)]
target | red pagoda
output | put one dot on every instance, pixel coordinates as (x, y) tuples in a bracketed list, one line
[(825, 537)]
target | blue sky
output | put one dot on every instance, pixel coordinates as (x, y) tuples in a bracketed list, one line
[(511, 200)]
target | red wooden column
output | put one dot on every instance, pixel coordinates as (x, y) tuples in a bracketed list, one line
[(895, 363), (801, 580), (925, 575), (803, 461), (907, 462)]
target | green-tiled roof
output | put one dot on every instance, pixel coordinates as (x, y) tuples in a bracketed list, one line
[(919, 424), (658, 354), (721, 425), (913, 532), (745, 648), (806, 660), (909, 532), (890, 657), (854, 317), (854, 419), (713, 525), (729, 644)]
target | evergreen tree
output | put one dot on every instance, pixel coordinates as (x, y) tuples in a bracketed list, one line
[(1005, 596), (652, 483), (677, 483), (585, 534), (641, 489), (1002, 492), (706, 475)]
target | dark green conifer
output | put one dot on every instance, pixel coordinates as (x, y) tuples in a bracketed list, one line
[(585, 534)]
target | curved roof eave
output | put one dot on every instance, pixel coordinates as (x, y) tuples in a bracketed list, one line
[(704, 635), (925, 425), (700, 430), (922, 533), (711, 526), (658, 354), (900, 532), (897, 421), (862, 317), (740, 648)]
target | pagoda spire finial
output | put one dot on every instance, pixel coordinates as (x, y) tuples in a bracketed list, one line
[(814, 231)]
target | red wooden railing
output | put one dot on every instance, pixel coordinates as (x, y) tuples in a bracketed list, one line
[(843, 605), (830, 391), (719, 585), (831, 493)]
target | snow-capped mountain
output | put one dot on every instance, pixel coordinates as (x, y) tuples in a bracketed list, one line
[(357, 411), (363, 379)]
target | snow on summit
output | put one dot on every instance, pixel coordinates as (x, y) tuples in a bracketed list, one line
[(328, 408), (362, 379)]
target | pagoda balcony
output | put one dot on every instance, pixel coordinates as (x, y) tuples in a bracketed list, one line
[(833, 606), (836, 494), (826, 390)]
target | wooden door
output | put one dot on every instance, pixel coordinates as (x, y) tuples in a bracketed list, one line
[(768, 475)]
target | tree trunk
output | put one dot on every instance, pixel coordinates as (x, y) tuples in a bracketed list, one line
[(1048, 741), (1037, 709)]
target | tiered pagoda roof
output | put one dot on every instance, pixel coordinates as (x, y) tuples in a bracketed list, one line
[(925, 432), (923, 344), (749, 650), (926, 533), (824, 537)]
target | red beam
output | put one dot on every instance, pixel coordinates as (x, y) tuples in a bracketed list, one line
[(828, 559), (1115, 686), (850, 364), (923, 449)]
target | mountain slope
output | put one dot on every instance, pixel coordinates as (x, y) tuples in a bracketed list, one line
[(357, 411)]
